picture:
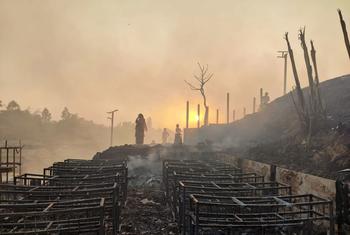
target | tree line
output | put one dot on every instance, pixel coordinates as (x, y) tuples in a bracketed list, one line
[(39, 127)]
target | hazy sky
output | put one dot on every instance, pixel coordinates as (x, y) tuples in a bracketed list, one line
[(93, 56)]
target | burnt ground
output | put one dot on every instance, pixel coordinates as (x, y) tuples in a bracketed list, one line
[(146, 212), (326, 154)]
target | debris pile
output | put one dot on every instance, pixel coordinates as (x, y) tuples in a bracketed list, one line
[(146, 212)]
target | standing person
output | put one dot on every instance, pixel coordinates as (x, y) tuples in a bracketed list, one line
[(265, 99), (140, 129), (178, 135), (165, 136)]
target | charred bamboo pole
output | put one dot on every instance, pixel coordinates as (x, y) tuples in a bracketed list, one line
[(187, 113), (308, 69), (296, 76), (217, 116), (254, 104), (345, 33), (313, 57), (317, 81), (207, 111), (228, 108), (198, 115)]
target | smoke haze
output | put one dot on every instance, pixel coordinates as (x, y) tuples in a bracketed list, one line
[(93, 56)]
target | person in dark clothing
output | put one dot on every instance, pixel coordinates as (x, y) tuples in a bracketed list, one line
[(140, 129)]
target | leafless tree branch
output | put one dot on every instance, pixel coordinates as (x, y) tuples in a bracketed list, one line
[(192, 86), (203, 77)]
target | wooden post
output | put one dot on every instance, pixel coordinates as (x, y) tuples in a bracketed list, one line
[(254, 103), (187, 113), (228, 107), (198, 115), (244, 112), (13, 163), (0, 164), (217, 116), (284, 55), (20, 157), (285, 74), (207, 112), (112, 124), (7, 161)]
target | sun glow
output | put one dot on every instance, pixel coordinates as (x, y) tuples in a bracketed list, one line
[(196, 117)]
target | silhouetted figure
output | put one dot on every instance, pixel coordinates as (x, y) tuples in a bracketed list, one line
[(265, 100), (178, 135), (165, 136), (140, 129)]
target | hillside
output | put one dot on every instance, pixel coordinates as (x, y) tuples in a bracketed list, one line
[(273, 134)]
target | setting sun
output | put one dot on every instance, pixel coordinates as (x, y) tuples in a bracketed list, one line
[(196, 117), (193, 118)]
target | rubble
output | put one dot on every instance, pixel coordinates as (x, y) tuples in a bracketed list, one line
[(146, 211), (147, 206)]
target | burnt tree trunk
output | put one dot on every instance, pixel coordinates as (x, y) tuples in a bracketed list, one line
[(320, 107), (302, 112), (345, 33), (309, 71)]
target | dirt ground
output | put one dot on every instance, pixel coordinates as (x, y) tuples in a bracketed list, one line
[(146, 212)]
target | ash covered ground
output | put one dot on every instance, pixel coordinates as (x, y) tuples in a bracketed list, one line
[(145, 210)]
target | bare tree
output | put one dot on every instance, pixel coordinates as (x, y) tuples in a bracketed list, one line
[(202, 79), (345, 33)]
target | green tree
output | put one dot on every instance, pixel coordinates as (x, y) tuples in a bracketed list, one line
[(13, 106), (46, 115), (66, 114)]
